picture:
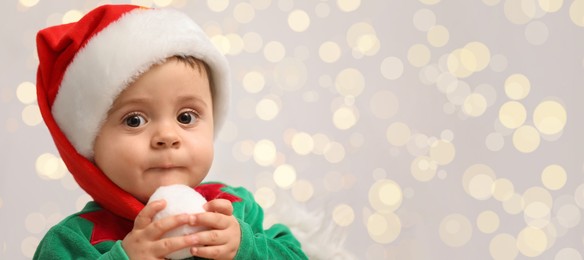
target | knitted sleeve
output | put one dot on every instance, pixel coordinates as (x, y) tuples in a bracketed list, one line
[(276, 242), (70, 242)]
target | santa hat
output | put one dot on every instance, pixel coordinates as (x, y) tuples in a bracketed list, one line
[(84, 66)]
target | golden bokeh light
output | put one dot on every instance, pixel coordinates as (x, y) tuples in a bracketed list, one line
[(362, 38), (474, 105), (265, 197), (35, 223), (345, 117), (424, 19), (503, 189), (532, 241), (392, 68), (549, 117), (568, 253), (334, 152), (274, 51), (252, 42), (348, 5), (478, 57), (537, 214), (577, 12), (26, 92), (512, 114), (517, 86), (554, 177), (550, 6), (514, 205), (267, 109), (478, 180), (520, 12), (72, 16), (298, 20), (419, 55), (236, 44), (50, 167), (488, 222), (473, 57), (244, 13), (350, 82), (221, 43), (343, 215), (438, 36), (385, 196), (302, 143), (455, 230), (253, 82), (569, 216), (442, 152), (503, 247), (264, 152), (423, 168), (285, 176), (579, 195), (526, 139), (302, 190), (28, 246), (384, 228), (320, 143), (329, 52), (538, 194), (28, 3), (536, 33)]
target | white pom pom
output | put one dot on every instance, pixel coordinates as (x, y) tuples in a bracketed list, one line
[(179, 199)]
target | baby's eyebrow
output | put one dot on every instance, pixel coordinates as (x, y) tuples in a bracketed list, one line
[(125, 102), (192, 98)]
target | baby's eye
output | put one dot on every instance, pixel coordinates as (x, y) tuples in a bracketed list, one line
[(135, 120), (187, 117)]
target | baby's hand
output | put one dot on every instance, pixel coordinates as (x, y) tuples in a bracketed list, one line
[(145, 240), (221, 240)]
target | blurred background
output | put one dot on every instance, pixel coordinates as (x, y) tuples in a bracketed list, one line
[(419, 129)]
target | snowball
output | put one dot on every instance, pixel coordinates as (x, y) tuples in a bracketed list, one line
[(179, 199)]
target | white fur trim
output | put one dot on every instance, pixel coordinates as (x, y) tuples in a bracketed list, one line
[(117, 55), (321, 239)]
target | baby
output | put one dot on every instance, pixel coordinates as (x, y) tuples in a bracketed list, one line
[(133, 98)]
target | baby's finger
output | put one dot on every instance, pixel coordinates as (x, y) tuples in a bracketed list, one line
[(210, 237), (211, 220), (157, 228), (214, 252), (166, 246), (145, 216), (222, 206)]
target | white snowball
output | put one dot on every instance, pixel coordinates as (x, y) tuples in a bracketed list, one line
[(179, 199)]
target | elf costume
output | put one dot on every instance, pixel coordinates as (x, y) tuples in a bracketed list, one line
[(83, 67)]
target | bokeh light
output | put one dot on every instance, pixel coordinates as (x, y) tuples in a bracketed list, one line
[(298, 20), (455, 230), (554, 177), (549, 117)]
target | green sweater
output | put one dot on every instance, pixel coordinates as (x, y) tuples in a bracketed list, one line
[(96, 233)]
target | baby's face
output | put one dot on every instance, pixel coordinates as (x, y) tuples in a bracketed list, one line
[(159, 131)]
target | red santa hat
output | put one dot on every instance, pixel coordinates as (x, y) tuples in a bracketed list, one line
[(84, 66)]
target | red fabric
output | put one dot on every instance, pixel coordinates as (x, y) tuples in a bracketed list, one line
[(108, 226), (56, 48), (211, 191)]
